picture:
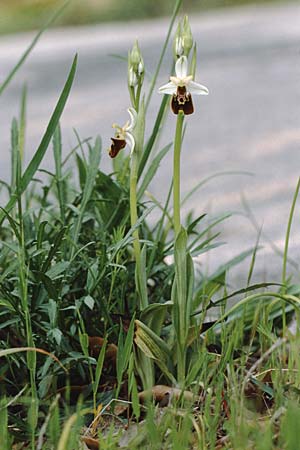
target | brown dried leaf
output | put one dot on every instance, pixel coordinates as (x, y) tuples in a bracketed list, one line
[(92, 444), (95, 345), (162, 394)]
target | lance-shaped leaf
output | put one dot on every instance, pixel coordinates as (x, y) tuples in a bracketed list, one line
[(153, 347), (40, 153)]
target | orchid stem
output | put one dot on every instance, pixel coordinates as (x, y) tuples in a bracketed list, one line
[(133, 203), (176, 172), (134, 215)]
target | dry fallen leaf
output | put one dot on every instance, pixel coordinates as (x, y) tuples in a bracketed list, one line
[(92, 444), (162, 394), (95, 345)]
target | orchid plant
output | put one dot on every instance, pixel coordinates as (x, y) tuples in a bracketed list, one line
[(181, 86)]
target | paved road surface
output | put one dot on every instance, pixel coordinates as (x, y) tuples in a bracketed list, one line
[(250, 60)]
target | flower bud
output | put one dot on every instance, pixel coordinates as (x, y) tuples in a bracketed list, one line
[(141, 67), (178, 43), (132, 78), (187, 36), (179, 49), (194, 62), (135, 56)]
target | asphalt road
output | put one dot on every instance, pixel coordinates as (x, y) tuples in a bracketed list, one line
[(250, 60)]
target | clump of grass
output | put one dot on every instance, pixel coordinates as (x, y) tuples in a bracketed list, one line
[(103, 341)]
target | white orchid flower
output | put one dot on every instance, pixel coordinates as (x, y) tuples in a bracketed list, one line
[(182, 87), (123, 135)]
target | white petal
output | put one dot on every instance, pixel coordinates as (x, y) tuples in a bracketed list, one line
[(133, 116), (169, 88), (197, 89), (130, 141), (181, 67)]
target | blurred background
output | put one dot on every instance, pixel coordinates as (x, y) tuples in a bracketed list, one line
[(249, 125), (20, 15)]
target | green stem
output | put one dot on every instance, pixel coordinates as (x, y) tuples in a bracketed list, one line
[(176, 172), (134, 215), (287, 235), (181, 365), (31, 356), (285, 254)]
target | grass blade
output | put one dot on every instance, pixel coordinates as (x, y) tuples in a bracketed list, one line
[(152, 170), (288, 232), (154, 134), (174, 15), (39, 154), (23, 58)]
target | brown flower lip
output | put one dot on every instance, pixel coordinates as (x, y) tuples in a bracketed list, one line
[(117, 145), (182, 101)]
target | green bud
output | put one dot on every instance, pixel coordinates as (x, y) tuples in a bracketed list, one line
[(194, 62), (178, 49), (135, 56), (187, 36)]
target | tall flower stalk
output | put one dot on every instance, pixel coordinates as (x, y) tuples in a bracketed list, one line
[(134, 167), (132, 133), (181, 87), (176, 172), (143, 364)]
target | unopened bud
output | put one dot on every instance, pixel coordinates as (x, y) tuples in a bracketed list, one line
[(141, 67), (179, 49), (194, 62), (132, 78), (135, 56), (177, 43), (187, 36)]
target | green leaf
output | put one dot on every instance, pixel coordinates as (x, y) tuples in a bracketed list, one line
[(155, 314), (154, 134), (152, 170), (154, 348), (91, 174), (141, 277), (39, 154), (124, 351), (55, 247), (57, 270), (56, 334), (52, 311), (14, 155), (60, 183), (4, 436), (252, 287), (89, 301), (13, 224)]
